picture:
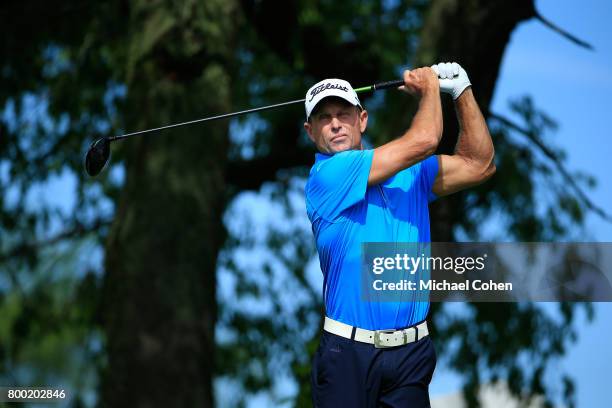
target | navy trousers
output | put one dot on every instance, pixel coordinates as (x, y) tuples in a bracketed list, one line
[(348, 373)]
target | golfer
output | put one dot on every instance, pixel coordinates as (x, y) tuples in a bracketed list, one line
[(375, 354)]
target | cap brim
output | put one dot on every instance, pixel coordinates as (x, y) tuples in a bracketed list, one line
[(331, 94)]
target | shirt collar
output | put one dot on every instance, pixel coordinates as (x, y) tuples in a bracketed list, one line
[(324, 156), (321, 156)]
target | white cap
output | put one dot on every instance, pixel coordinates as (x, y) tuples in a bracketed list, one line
[(330, 87)]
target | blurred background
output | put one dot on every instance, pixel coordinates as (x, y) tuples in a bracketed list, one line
[(185, 274)]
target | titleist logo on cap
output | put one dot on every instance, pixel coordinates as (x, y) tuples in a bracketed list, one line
[(324, 87)]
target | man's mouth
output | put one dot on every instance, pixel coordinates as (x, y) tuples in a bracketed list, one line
[(335, 138)]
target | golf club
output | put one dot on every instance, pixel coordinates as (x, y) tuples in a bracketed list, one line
[(99, 152)]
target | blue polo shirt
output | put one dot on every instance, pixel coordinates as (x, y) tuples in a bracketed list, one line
[(345, 212)]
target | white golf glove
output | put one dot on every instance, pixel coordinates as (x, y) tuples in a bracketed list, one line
[(453, 78)]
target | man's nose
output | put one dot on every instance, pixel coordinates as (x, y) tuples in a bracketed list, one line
[(335, 123)]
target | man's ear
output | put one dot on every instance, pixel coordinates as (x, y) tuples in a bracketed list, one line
[(363, 120), (308, 129)]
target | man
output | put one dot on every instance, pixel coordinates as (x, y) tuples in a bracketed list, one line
[(379, 353)]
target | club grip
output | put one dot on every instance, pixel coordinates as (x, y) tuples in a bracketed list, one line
[(388, 84)]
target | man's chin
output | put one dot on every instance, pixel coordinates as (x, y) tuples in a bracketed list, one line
[(341, 147)]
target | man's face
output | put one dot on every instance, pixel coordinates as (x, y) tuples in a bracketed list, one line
[(336, 126)]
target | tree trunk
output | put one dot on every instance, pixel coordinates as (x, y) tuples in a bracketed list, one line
[(159, 288), (475, 34)]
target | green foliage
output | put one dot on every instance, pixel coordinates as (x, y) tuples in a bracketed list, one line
[(48, 332)]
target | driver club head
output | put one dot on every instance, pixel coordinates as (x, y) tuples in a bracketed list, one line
[(97, 156)]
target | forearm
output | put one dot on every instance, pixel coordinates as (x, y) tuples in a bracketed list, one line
[(475, 144), (427, 122)]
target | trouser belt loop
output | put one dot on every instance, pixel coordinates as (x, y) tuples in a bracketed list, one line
[(353, 333)]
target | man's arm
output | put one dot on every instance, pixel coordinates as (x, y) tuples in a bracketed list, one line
[(472, 162), (421, 139)]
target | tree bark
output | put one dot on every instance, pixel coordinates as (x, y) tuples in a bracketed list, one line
[(159, 289)]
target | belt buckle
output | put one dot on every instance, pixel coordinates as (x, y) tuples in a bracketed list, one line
[(378, 342)]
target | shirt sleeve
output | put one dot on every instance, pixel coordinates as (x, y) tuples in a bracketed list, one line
[(339, 182), (427, 174)]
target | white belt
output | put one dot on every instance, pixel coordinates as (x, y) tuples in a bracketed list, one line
[(379, 338)]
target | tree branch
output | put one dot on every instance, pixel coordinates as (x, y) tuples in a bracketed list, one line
[(561, 31), (78, 230), (551, 155)]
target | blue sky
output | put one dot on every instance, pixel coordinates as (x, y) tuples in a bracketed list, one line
[(572, 85)]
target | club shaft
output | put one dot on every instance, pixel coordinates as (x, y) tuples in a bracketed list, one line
[(381, 85), (371, 88), (226, 115)]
